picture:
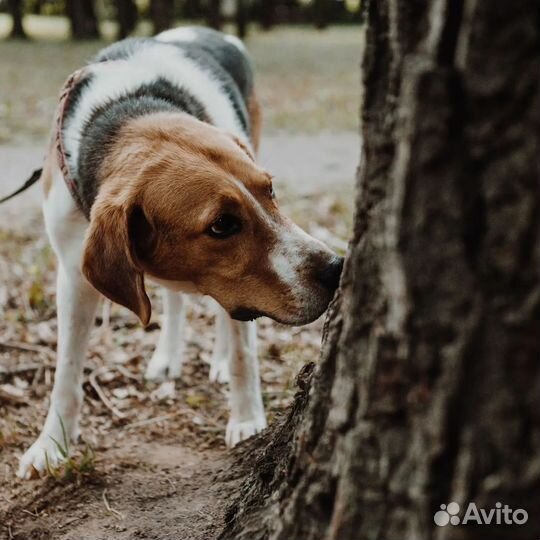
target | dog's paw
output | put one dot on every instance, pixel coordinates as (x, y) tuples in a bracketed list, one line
[(238, 431), (219, 370), (163, 366), (34, 461)]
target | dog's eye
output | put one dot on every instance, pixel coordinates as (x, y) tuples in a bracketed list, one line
[(225, 226), (272, 192)]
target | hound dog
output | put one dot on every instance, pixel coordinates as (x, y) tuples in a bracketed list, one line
[(151, 175)]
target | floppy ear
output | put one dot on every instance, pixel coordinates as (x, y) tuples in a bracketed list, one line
[(110, 261)]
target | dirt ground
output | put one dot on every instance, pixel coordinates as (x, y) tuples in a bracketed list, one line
[(152, 462)]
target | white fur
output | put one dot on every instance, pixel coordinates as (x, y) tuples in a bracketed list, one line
[(178, 34), (169, 354), (247, 409), (288, 259), (116, 78), (223, 349), (236, 42)]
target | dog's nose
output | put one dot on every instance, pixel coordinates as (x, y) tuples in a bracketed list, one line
[(330, 274)]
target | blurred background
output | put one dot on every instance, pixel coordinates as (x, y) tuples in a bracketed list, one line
[(306, 56)]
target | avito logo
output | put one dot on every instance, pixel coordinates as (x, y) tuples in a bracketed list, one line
[(500, 515)]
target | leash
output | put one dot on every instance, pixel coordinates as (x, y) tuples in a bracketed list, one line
[(63, 103), (36, 175)]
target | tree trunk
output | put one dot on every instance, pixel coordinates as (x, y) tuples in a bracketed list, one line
[(266, 14), (15, 10), (83, 20), (162, 14), (428, 388), (126, 14), (242, 18), (321, 13), (213, 14)]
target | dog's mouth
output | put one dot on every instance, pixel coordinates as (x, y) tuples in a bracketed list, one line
[(246, 314)]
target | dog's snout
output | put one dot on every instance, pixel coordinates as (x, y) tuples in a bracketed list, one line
[(330, 273)]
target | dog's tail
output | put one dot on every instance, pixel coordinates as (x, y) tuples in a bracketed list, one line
[(36, 175)]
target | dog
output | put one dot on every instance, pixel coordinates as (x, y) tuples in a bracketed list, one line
[(151, 175)]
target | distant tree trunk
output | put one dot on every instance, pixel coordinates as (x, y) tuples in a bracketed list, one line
[(162, 12), (83, 20), (213, 14), (242, 18), (321, 13), (126, 12), (266, 14), (15, 10), (428, 389)]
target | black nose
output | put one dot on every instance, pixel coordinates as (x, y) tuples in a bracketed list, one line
[(330, 274)]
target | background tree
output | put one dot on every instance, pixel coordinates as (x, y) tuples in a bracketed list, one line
[(428, 389), (266, 10), (162, 13), (213, 14), (127, 15), (242, 17), (83, 20), (15, 10), (321, 13)]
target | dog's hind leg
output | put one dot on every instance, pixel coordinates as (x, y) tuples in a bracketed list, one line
[(169, 354), (76, 302), (247, 409)]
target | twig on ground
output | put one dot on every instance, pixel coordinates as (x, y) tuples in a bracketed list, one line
[(27, 348), (118, 514), (148, 421), (92, 379)]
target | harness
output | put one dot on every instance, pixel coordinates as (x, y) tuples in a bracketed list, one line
[(58, 143)]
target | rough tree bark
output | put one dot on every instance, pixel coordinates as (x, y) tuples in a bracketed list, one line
[(15, 10), (83, 20), (428, 388)]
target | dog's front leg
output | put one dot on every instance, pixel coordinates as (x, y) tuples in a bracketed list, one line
[(247, 409), (169, 354), (76, 301)]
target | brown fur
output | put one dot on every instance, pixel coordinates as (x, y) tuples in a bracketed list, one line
[(166, 180), (255, 115)]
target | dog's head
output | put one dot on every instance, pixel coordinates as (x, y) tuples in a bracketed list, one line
[(186, 204)]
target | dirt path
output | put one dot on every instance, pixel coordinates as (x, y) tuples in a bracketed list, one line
[(148, 490)]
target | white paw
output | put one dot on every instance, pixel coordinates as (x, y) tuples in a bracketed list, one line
[(163, 366), (239, 431), (219, 371), (35, 459)]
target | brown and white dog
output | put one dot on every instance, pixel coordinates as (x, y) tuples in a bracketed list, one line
[(158, 138)]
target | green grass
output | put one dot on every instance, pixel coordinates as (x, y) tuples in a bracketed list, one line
[(307, 80)]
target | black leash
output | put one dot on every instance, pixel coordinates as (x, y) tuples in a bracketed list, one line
[(36, 175)]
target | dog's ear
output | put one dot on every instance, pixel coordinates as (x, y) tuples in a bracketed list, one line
[(114, 240)]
